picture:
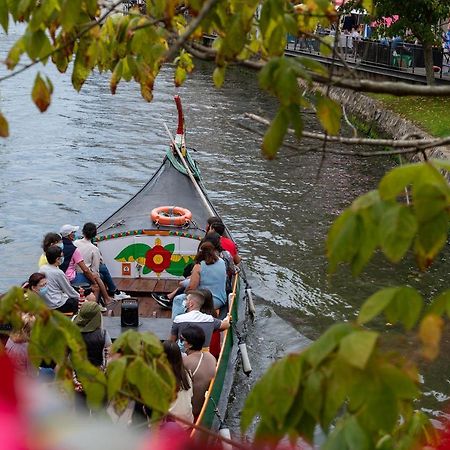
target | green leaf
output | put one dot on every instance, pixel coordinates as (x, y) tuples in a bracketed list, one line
[(273, 395), (132, 252), (355, 436), (375, 304), (395, 181), (430, 239), (329, 113), (342, 239), (70, 14), (357, 347), (326, 343), (155, 392), (219, 76), (115, 374), (326, 46), (41, 93), (80, 71), (313, 394), (4, 15), (15, 52), (4, 127), (441, 304), (37, 45), (275, 134), (401, 303), (399, 382), (398, 227)]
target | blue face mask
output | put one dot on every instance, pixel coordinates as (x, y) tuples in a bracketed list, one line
[(60, 245), (62, 260), (43, 290)]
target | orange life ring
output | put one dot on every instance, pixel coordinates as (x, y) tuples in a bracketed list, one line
[(171, 215)]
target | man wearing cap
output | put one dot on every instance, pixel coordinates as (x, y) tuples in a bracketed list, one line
[(73, 259)]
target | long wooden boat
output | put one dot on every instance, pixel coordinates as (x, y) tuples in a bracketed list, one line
[(145, 257)]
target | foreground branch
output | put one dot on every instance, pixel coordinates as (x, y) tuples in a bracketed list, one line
[(408, 145)]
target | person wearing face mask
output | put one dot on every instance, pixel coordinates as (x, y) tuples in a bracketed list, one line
[(37, 283), (60, 294), (49, 239)]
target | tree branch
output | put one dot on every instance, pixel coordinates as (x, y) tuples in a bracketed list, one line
[(206, 8), (89, 27), (411, 145), (378, 87)]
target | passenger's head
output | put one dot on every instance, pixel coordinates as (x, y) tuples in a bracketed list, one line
[(207, 253), (23, 335), (208, 304), (68, 231), (89, 230), (89, 317), (218, 227), (194, 337), (36, 282), (51, 239), (175, 359), (214, 238), (54, 255), (194, 300), (210, 221)]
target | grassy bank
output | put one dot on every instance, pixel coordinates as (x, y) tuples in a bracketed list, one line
[(430, 114)]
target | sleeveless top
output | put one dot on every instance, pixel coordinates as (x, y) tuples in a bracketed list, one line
[(214, 278), (95, 344)]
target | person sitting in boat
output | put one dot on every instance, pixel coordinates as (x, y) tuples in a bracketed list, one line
[(215, 239), (49, 239), (97, 339), (166, 300), (76, 270), (226, 243), (37, 283), (209, 272), (208, 308), (60, 294), (182, 405), (17, 348), (193, 316), (201, 365), (93, 260)]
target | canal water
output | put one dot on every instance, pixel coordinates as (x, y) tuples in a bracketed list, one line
[(91, 151)]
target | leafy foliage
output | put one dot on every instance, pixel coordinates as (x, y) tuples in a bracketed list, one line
[(139, 361)]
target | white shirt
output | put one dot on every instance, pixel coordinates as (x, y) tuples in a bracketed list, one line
[(90, 253)]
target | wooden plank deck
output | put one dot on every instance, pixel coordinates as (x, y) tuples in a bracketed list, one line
[(140, 289), (147, 285)]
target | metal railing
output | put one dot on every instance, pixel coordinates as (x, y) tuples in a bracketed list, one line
[(387, 54)]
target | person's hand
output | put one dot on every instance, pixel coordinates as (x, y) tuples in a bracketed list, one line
[(91, 297)]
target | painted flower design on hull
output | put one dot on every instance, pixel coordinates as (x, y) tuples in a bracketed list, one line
[(158, 258), (155, 259)]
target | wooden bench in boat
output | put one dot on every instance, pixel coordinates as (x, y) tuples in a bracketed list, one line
[(159, 327)]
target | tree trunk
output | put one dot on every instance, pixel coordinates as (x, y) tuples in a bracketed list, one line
[(428, 59)]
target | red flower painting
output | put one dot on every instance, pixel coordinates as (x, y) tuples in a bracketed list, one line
[(158, 258)]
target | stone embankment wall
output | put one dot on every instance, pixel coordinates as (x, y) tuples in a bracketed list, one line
[(384, 121)]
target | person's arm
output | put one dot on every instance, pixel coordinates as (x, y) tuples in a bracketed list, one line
[(236, 259), (86, 271), (96, 258), (66, 287), (195, 278), (225, 323)]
